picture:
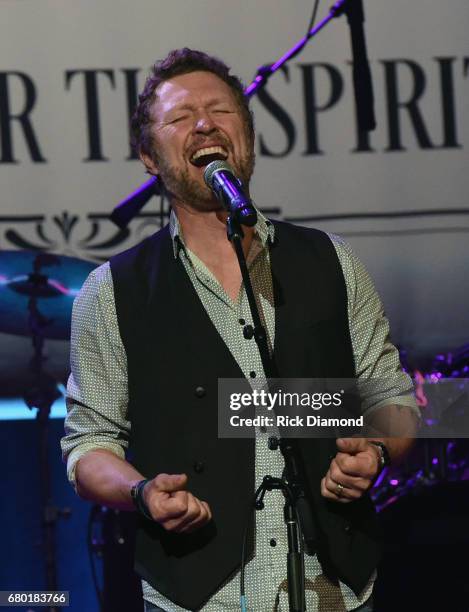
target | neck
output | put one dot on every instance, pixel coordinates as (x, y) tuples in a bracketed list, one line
[(205, 232)]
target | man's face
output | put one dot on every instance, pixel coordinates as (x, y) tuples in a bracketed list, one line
[(196, 119)]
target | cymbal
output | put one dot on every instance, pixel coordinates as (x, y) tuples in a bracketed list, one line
[(49, 281)]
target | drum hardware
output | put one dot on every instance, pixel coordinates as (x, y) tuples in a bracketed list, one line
[(48, 311), (111, 541), (432, 461), (25, 295)]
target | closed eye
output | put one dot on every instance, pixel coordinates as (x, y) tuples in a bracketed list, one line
[(178, 119)]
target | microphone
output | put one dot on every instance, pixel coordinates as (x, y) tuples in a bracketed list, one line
[(221, 179)]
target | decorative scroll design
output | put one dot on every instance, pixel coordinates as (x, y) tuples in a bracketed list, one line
[(92, 236)]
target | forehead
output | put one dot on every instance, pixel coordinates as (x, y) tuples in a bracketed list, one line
[(192, 89)]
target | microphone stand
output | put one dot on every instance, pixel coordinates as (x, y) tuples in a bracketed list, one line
[(129, 208), (297, 512), (295, 566)]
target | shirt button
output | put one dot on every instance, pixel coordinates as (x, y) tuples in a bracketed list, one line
[(200, 391), (273, 542), (242, 321), (252, 374)]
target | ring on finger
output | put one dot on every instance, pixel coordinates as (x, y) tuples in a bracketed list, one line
[(338, 490)]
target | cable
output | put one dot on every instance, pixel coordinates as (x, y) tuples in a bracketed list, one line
[(95, 511), (302, 553), (309, 33), (313, 17), (253, 507)]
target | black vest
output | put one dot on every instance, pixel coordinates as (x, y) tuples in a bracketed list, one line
[(175, 356)]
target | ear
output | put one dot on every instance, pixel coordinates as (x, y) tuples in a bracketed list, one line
[(149, 163)]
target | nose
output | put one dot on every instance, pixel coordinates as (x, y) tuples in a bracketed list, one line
[(204, 122)]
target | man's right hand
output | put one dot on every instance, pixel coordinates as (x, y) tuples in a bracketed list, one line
[(172, 506)]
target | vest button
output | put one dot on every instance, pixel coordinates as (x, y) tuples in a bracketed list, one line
[(200, 391), (273, 542), (273, 443), (248, 332), (199, 467)]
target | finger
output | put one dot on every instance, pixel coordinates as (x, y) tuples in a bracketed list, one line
[(208, 509), (365, 464), (167, 506), (200, 519), (170, 482), (353, 469), (342, 491), (325, 492), (180, 522), (360, 483), (351, 445), (192, 516)]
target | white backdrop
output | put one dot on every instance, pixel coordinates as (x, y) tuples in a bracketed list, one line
[(418, 162)]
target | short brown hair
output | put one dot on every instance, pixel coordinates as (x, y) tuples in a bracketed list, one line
[(177, 62)]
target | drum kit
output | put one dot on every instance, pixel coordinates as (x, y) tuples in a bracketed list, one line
[(433, 460), (39, 306)]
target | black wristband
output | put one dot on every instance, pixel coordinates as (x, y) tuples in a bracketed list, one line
[(136, 492), (385, 459)]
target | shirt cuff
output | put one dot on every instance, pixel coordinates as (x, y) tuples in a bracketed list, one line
[(77, 453)]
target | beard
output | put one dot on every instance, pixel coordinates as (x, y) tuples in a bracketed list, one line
[(182, 187)]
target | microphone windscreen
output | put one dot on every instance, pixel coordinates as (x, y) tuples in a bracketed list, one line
[(214, 167)]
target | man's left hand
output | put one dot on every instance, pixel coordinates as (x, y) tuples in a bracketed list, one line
[(352, 471)]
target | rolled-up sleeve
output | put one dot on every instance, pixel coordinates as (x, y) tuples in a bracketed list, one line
[(375, 356), (97, 393)]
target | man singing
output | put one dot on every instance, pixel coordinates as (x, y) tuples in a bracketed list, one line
[(154, 329)]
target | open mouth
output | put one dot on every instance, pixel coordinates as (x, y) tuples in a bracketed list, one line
[(203, 157)]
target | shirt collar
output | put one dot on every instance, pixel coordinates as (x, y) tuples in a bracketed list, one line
[(264, 230)]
